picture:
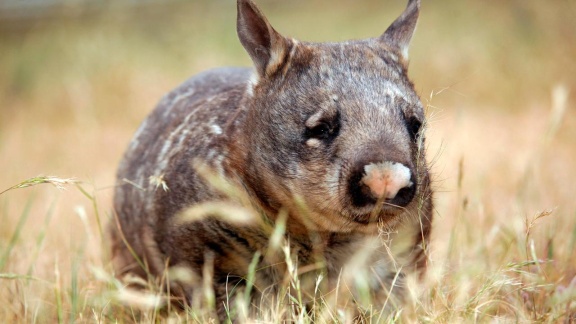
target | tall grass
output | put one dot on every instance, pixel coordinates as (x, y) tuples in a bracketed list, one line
[(502, 136)]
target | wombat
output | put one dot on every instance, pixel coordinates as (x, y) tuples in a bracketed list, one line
[(322, 140)]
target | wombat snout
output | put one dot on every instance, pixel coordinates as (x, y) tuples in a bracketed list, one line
[(391, 181)]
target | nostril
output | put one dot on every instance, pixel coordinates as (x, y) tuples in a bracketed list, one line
[(359, 193), (404, 196)]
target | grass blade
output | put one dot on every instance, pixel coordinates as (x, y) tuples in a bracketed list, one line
[(21, 221)]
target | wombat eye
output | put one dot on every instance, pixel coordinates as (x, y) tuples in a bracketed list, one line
[(321, 131), (413, 125)]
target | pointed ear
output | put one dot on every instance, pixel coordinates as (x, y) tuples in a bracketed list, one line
[(400, 32), (264, 45)]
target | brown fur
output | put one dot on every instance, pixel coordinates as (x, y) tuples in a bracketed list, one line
[(292, 136)]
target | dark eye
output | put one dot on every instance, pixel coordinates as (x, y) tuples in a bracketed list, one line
[(413, 125), (321, 131)]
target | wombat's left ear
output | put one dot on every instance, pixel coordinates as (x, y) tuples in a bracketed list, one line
[(400, 32), (266, 46)]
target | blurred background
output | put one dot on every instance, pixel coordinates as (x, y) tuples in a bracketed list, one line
[(77, 78)]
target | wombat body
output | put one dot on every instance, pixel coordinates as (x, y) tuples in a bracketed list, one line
[(326, 134)]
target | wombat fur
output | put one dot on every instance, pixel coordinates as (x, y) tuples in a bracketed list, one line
[(324, 138)]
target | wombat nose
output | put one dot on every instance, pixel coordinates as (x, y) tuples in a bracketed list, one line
[(391, 181), (386, 179)]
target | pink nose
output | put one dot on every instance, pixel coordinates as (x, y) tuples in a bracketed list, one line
[(385, 179)]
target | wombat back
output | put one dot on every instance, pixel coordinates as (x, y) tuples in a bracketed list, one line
[(156, 178)]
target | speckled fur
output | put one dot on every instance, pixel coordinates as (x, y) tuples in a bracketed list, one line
[(248, 126)]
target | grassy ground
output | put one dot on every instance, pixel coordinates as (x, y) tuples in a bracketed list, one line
[(499, 79)]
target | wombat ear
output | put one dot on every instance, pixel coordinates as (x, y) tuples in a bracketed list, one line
[(400, 32), (264, 44)]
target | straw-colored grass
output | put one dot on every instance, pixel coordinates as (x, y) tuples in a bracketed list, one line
[(499, 82)]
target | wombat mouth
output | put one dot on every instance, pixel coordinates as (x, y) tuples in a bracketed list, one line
[(386, 215)]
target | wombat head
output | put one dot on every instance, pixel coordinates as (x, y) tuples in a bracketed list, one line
[(334, 125)]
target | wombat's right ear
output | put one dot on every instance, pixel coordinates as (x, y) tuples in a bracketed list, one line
[(400, 32), (266, 46)]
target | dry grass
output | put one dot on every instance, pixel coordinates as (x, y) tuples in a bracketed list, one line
[(499, 79)]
